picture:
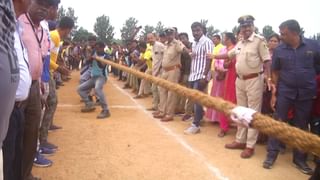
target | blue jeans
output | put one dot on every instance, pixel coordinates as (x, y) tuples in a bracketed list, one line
[(85, 76), (96, 83), (198, 109)]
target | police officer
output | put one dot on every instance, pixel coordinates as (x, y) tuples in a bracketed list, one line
[(294, 65), (171, 65), (251, 54), (157, 56)]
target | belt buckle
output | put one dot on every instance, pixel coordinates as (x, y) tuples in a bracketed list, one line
[(175, 67)]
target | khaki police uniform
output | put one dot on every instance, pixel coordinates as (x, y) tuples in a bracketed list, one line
[(171, 64), (250, 55), (157, 56)]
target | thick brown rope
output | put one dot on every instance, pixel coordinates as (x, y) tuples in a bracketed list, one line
[(292, 136)]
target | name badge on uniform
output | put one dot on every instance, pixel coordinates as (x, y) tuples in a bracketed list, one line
[(238, 51), (309, 53)]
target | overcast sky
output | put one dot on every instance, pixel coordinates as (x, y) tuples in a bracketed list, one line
[(221, 14)]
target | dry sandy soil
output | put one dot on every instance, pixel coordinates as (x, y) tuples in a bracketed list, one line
[(131, 145)]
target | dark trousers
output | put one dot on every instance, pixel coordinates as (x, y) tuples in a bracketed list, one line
[(32, 114), (12, 146), (316, 173), (302, 109), (52, 102), (120, 75), (198, 108)]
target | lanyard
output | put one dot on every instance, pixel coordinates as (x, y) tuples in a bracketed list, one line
[(34, 31), (22, 46)]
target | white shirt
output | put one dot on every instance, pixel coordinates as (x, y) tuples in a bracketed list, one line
[(25, 76)]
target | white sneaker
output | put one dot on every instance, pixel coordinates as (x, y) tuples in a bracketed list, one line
[(192, 130)]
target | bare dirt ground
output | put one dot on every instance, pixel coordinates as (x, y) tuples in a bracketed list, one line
[(131, 145)]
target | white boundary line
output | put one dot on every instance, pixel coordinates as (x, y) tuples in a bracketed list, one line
[(216, 172), (112, 107)]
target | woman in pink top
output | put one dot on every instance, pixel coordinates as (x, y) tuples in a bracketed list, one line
[(217, 87)]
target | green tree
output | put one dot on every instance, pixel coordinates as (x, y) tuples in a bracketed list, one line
[(208, 30), (61, 12), (256, 30), (212, 31), (315, 37), (302, 31), (128, 31), (146, 30), (103, 29), (70, 13), (204, 22), (81, 35), (159, 27), (235, 30), (267, 31)]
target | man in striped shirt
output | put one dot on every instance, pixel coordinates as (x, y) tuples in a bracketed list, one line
[(200, 70)]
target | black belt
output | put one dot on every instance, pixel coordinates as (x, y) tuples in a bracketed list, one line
[(34, 81), (249, 76)]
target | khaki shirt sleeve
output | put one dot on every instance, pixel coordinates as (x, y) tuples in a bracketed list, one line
[(232, 52), (179, 46), (264, 51)]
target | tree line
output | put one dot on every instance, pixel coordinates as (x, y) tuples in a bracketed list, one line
[(105, 31)]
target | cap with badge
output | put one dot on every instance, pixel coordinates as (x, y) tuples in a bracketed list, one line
[(169, 30), (246, 20)]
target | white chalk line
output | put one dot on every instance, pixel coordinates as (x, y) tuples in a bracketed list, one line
[(112, 107), (216, 172)]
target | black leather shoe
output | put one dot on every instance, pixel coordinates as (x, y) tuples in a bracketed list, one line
[(303, 167)]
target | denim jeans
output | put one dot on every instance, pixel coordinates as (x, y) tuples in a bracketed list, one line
[(85, 76), (198, 109), (96, 83)]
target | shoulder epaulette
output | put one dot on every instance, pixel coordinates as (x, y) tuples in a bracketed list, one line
[(260, 37)]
